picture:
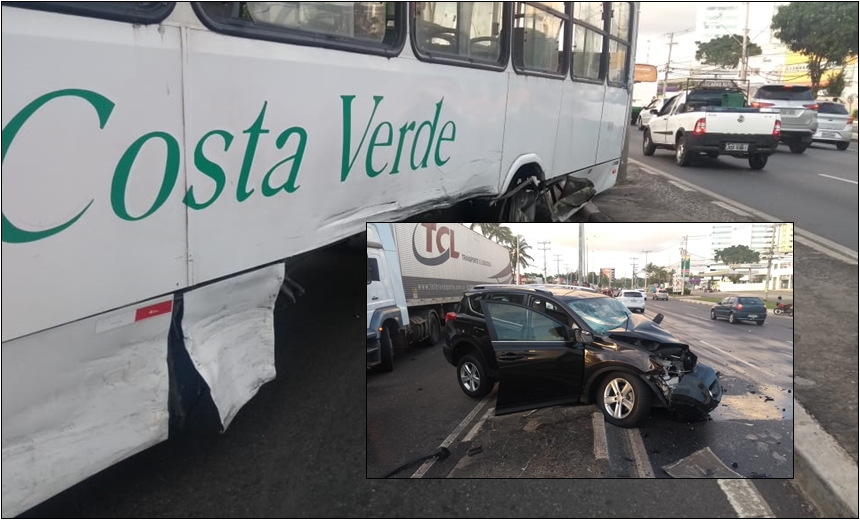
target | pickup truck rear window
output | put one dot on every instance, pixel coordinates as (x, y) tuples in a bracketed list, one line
[(785, 93)]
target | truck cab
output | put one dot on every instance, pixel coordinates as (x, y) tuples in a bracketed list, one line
[(386, 305)]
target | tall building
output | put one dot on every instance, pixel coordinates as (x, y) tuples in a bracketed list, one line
[(784, 238), (758, 237)]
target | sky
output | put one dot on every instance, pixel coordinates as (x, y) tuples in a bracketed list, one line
[(613, 245), (656, 20)]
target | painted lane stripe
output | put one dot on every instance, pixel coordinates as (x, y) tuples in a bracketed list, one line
[(837, 178), (450, 439), (640, 456), (601, 447), (745, 498), (474, 431), (731, 208)]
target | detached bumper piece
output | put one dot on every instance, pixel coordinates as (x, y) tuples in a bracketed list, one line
[(698, 390)]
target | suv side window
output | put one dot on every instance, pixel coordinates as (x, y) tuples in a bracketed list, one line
[(517, 323), (475, 300), (550, 309)]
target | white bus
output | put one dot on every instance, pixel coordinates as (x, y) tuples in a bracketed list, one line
[(162, 160)]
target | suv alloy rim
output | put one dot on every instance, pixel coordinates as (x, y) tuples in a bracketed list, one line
[(469, 377), (619, 398)]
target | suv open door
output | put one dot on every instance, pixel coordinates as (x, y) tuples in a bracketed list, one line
[(540, 363)]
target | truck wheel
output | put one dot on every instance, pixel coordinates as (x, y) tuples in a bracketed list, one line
[(648, 146), (798, 147), (639, 123), (682, 155), (387, 351), (435, 330), (758, 161), (624, 399), (472, 376)]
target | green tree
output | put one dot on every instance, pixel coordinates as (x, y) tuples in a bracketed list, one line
[(725, 51), (735, 278), (836, 83), (519, 247), (735, 255), (497, 232), (825, 32)]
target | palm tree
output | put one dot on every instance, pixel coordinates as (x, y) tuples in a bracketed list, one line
[(497, 232), (519, 252)]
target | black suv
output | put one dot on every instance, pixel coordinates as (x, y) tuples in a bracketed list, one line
[(555, 346)]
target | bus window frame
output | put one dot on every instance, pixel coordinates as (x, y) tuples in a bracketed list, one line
[(567, 18), (626, 43), (101, 11), (253, 31), (463, 61), (604, 49)]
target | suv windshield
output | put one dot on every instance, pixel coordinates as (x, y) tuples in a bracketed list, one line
[(832, 108), (785, 93), (601, 314)]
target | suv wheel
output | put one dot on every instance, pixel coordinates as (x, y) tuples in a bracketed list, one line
[(624, 399), (472, 376), (798, 147), (842, 146)]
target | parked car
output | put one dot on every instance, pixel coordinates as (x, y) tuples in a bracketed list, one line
[(633, 300), (740, 308), (797, 111), (661, 294), (645, 115), (834, 125), (547, 347)]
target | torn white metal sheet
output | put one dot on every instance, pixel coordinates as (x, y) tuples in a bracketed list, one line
[(701, 464), (229, 333), (81, 397)]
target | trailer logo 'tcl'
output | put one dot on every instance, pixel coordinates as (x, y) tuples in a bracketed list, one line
[(443, 253)]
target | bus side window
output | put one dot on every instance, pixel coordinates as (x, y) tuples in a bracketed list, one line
[(465, 31), (538, 38), (619, 43), (589, 31), (373, 27)]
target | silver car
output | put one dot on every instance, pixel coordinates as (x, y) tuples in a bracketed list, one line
[(797, 113), (834, 125)]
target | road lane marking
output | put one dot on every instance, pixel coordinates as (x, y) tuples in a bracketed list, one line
[(837, 178), (694, 316), (450, 439), (745, 498), (601, 447), (730, 208), (640, 456), (681, 186), (474, 431), (811, 240), (762, 370)]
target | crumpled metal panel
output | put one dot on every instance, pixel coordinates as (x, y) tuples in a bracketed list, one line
[(229, 333)]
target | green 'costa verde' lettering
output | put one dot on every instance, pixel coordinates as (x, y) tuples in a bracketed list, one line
[(383, 153)]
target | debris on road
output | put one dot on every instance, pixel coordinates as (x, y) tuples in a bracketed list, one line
[(701, 464)]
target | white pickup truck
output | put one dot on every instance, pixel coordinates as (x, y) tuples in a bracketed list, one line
[(712, 121)]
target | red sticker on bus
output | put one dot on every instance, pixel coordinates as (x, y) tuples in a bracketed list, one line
[(153, 310)]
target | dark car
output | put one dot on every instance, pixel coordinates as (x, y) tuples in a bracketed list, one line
[(548, 347), (740, 308)]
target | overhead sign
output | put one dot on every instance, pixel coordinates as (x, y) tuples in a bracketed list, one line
[(644, 73)]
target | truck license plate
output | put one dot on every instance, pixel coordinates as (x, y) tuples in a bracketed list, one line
[(753, 316), (737, 147)]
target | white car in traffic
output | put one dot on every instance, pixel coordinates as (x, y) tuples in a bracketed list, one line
[(633, 300)]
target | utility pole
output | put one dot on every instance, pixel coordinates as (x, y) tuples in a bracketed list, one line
[(646, 269), (581, 250), (633, 275), (668, 61), (776, 228), (544, 247), (681, 272), (558, 264), (517, 259), (744, 57)]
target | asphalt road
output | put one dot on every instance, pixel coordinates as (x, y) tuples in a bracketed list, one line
[(817, 190)]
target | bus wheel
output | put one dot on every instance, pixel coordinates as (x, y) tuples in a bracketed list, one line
[(520, 207)]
